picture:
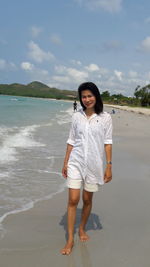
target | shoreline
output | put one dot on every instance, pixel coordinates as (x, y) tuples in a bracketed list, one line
[(118, 225), (42, 98), (30, 205), (138, 110)]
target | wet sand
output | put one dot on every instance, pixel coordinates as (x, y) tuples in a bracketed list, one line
[(118, 226)]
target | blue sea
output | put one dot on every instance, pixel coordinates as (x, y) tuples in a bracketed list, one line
[(33, 134)]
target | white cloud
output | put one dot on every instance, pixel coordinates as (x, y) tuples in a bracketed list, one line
[(97, 71), (145, 45), (67, 77), (43, 72), (108, 5), (3, 64), (6, 66), (125, 85), (103, 71), (35, 31), (118, 74), (60, 69), (133, 74), (77, 74), (92, 67), (61, 79), (148, 75), (55, 38), (37, 54), (35, 73), (70, 75), (76, 62), (72, 72), (27, 66)]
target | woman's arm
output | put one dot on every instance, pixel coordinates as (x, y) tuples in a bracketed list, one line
[(108, 170), (68, 151)]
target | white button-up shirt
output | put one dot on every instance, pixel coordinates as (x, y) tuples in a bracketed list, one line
[(88, 136)]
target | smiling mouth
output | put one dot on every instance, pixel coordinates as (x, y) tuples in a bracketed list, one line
[(88, 104)]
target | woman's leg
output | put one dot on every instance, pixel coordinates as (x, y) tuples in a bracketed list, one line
[(87, 206), (74, 196)]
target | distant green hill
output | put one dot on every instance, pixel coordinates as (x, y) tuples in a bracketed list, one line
[(36, 89)]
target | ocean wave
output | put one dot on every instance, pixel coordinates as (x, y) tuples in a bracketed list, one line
[(28, 173), (4, 174), (65, 117), (16, 137)]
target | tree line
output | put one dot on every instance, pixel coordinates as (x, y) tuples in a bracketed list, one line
[(141, 97), (37, 89)]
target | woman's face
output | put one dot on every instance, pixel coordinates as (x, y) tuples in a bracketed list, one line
[(88, 99)]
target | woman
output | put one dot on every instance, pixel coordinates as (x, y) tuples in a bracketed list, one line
[(90, 135)]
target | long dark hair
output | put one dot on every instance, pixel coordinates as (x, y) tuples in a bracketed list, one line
[(94, 89)]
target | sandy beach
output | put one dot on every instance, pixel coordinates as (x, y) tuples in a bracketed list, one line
[(139, 110), (118, 226)]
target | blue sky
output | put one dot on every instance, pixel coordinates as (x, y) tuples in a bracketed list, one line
[(64, 43)]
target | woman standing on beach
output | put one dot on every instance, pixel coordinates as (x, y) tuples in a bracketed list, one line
[(90, 135)]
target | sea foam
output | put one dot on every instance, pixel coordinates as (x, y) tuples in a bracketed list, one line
[(21, 138)]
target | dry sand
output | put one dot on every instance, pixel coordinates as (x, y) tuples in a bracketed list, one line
[(118, 227), (139, 110)]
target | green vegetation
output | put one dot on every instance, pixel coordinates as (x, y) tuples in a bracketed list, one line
[(37, 89), (141, 97), (119, 99)]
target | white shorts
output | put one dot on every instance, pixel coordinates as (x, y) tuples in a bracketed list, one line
[(76, 184)]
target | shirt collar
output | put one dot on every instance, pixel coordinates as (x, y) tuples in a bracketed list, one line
[(91, 117)]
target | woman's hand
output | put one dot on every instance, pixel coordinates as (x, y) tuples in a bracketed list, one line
[(108, 174), (64, 171)]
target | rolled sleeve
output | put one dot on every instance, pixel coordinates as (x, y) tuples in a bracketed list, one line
[(71, 139), (108, 131)]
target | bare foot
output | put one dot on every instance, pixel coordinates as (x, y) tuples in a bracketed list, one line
[(83, 236), (68, 248)]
